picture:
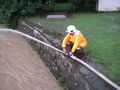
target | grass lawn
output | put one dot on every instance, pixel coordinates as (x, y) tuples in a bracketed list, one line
[(102, 31)]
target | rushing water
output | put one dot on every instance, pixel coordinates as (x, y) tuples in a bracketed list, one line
[(30, 37), (21, 68)]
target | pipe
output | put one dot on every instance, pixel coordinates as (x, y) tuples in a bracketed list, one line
[(75, 58)]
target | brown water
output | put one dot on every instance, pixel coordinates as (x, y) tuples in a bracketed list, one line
[(21, 68)]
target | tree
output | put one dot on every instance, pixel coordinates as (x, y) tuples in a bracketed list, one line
[(12, 10), (84, 5)]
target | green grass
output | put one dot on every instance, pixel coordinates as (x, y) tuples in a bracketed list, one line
[(61, 80), (102, 31)]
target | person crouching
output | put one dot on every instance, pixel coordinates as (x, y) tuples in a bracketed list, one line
[(74, 42)]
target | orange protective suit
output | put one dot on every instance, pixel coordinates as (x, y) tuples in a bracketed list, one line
[(77, 40)]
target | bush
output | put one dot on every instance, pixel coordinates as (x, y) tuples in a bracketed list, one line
[(84, 5), (1, 17), (64, 7), (49, 5), (61, 80), (12, 10)]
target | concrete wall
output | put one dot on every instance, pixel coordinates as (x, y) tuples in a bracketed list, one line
[(108, 5), (76, 76)]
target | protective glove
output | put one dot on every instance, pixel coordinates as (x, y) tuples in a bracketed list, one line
[(79, 48), (65, 51), (71, 55)]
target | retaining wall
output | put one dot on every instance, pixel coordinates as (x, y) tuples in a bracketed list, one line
[(76, 76)]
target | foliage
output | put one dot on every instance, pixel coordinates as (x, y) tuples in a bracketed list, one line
[(63, 7), (61, 80), (11, 10), (84, 5), (49, 5)]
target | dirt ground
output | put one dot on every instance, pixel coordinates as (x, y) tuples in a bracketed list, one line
[(20, 66)]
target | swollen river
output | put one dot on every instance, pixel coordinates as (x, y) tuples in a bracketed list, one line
[(21, 68)]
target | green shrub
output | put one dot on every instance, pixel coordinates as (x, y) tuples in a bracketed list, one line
[(0, 17), (63, 7), (49, 5), (84, 5), (61, 80), (12, 10)]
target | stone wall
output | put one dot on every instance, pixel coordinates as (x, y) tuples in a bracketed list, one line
[(76, 76)]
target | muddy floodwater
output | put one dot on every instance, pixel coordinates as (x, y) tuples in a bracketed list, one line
[(21, 68)]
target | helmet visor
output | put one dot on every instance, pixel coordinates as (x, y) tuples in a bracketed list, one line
[(70, 31)]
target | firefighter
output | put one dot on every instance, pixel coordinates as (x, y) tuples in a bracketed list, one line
[(74, 40)]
